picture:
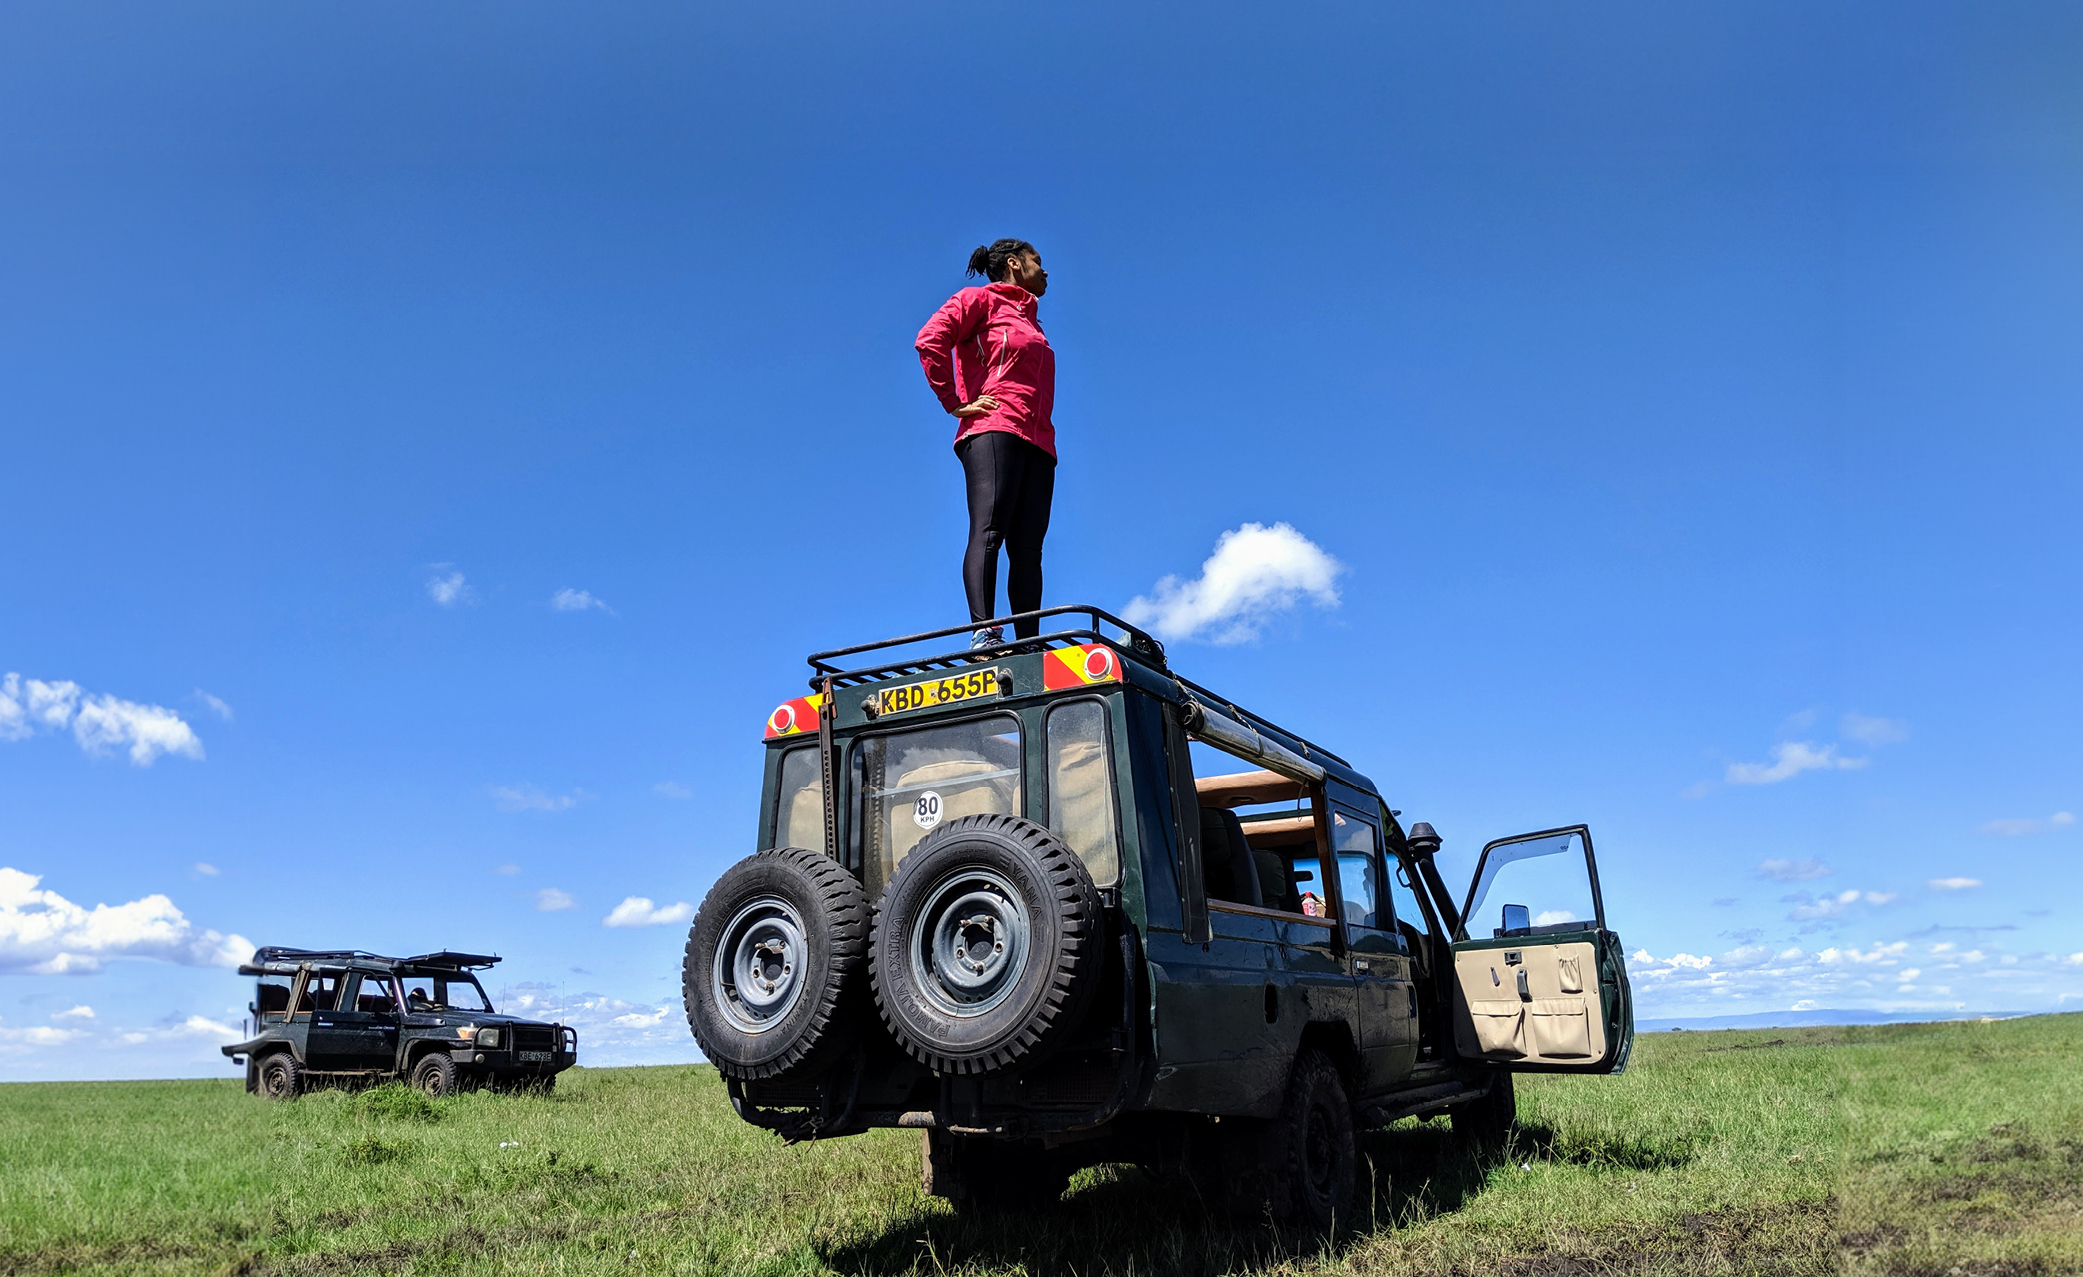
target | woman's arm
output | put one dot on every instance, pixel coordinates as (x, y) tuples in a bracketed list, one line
[(958, 320)]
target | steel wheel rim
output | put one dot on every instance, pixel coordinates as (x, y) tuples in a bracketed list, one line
[(970, 942), (757, 973)]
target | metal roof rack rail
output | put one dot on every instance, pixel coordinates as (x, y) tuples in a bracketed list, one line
[(1136, 644), (280, 954)]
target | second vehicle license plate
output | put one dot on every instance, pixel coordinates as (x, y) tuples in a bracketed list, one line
[(946, 691), (532, 1057)]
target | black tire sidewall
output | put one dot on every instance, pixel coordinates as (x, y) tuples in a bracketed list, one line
[(285, 1065), (1062, 954), (1314, 1087), (438, 1069), (822, 1023)]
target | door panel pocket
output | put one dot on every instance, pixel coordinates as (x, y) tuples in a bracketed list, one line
[(1569, 974), (1561, 1029), (1500, 1027)]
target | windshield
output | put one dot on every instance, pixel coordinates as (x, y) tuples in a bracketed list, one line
[(444, 993)]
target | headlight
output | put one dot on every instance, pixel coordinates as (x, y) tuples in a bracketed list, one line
[(488, 1037)]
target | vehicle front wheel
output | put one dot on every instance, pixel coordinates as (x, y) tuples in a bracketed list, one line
[(1486, 1123), (435, 1075), (281, 1077)]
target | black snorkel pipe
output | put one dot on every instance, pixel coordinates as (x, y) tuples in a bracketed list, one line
[(1423, 843)]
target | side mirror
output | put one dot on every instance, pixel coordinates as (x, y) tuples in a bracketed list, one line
[(1515, 919)]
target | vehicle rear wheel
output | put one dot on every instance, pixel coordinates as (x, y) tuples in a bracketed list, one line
[(986, 946), (985, 1174), (435, 1075), (1309, 1161), (1487, 1123), (774, 966), (281, 1077)]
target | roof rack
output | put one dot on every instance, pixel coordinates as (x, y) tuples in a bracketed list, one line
[(1136, 643), (441, 958)]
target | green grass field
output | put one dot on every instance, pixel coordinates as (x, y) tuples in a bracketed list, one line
[(1951, 1150)]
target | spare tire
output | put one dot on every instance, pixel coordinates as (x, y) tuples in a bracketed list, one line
[(987, 945), (775, 962)]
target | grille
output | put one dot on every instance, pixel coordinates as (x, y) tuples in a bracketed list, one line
[(527, 1038)]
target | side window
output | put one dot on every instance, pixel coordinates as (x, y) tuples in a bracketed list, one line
[(271, 999), (1081, 787), (1404, 897), (321, 991), (1359, 877), (1535, 885), (800, 819), (906, 783), (420, 993), (1258, 835), (375, 996)]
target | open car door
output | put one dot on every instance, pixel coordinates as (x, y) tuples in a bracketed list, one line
[(1540, 983)]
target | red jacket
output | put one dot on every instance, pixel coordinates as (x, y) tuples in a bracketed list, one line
[(987, 341)]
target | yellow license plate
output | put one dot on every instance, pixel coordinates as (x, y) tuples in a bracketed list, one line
[(956, 687)]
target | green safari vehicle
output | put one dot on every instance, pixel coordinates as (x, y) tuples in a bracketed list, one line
[(1054, 905)]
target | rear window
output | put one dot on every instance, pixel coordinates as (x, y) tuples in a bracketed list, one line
[(906, 783), (1081, 787), (799, 821)]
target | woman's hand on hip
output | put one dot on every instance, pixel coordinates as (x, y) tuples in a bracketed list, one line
[(977, 407)]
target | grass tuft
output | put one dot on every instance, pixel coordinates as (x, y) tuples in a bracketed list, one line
[(397, 1102), (370, 1151)]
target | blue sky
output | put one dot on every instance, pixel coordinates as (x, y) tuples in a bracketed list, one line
[(1687, 396)]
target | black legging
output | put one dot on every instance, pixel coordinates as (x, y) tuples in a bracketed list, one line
[(1011, 483)]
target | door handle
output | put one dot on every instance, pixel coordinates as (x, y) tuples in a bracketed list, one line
[(1361, 964), (1524, 995)]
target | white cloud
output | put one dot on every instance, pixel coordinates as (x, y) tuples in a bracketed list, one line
[(1794, 870), (1548, 917), (2030, 825), (507, 869), (42, 933), (34, 1036), (1954, 884), (1812, 908), (550, 900), (80, 1012), (214, 704), (569, 600), (1790, 759), (1255, 572), (448, 588), (638, 911), (99, 722), (206, 869), (1873, 731), (529, 798), (671, 789), (196, 1026)]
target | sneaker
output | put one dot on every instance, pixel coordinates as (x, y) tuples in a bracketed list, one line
[(991, 637)]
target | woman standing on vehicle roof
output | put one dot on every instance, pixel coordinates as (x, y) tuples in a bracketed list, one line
[(987, 358)]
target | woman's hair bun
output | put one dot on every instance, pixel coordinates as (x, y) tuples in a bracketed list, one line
[(980, 260)]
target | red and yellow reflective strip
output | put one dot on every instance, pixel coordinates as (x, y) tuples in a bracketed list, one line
[(796, 716), (1081, 666)]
